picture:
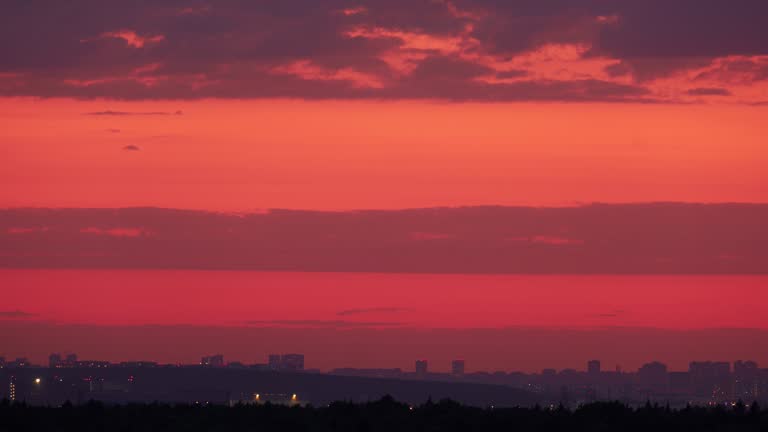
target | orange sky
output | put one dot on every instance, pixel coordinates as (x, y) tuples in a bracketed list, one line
[(244, 155)]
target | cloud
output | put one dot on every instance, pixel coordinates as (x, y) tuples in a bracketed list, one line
[(555, 240), (531, 50), (589, 239), (323, 323), (419, 235), (130, 37), (132, 113), (115, 232), (547, 240), (307, 70), (709, 91), (612, 314), (360, 311), (200, 10), (16, 314), (26, 230), (353, 11)]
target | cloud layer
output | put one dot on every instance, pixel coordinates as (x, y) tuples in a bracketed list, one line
[(639, 238), (488, 50)]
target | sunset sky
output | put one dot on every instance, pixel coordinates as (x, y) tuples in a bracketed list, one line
[(509, 119), (382, 104)]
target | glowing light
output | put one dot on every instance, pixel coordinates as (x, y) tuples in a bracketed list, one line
[(293, 397), (37, 380)]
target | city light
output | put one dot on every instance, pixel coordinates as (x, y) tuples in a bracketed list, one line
[(37, 380)]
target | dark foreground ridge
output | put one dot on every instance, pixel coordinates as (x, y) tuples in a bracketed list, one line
[(220, 386), (383, 415)]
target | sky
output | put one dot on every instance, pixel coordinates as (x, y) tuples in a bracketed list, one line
[(381, 137), (340, 105)]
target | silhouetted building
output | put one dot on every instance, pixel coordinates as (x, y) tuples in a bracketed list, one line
[(216, 360), (746, 380), (20, 362), (292, 362), (680, 382), (376, 372), (274, 361), (272, 399), (286, 362), (593, 367), (139, 364), (653, 378), (97, 364), (421, 367), (457, 368), (711, 379), (54, 361), (12, 388), (2, 362)]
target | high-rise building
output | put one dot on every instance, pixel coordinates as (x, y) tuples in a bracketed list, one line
[(653, 377), (711, 379), (12, 388), (54, 361), (216, 360), (593, 367), (457, 367), (2, 362), (274, 361), (680, 382), (421, 367), (746, 380), (292, 362)]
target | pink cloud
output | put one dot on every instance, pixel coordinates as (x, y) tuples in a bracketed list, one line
[(410, 40), (607, 19), (116, 232), (307, 70), (201, 10), (354, 11), (736, 78), (555, 240), (546, 239), (131, 38), (553, 62), (26, 230), (430, 236), (461, 13)]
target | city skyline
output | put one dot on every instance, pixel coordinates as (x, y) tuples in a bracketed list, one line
[(291, 362), (497, 202), (65, 377)]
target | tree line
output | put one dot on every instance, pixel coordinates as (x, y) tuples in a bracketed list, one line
[(382, 415)]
